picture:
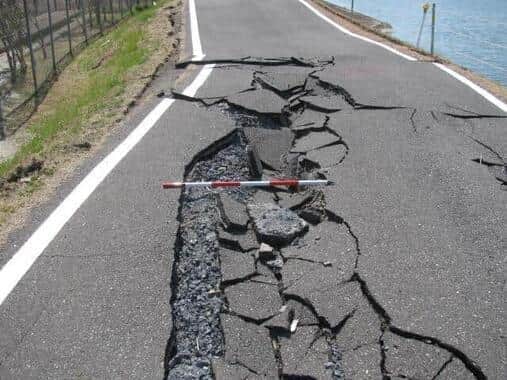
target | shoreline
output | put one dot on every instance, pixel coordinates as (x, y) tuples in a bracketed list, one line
[(367, 26)]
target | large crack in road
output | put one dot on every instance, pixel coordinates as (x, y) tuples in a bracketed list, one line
[(266, 283)]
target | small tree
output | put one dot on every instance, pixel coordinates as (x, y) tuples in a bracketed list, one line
[(12, 35)]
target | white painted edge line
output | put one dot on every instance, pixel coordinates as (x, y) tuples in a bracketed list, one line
[(194, 29), (484, 93), (14, 270), (346, 31)]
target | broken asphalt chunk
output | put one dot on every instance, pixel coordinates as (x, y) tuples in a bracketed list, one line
[(293, 200), (266, 252), (240, 242), (233, 213), (275, 225), (253, 299), (235, 265), (280, 142), (304, 354), (250, 345)]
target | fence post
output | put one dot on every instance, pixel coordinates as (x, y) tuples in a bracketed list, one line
[(83, 14), (97, 11), (352, 7), (121, 8), (30, 47), (433, 29), (112, 11), (68, 26), (53, 58)]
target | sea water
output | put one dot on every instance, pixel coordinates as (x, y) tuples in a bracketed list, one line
[(470, 33)]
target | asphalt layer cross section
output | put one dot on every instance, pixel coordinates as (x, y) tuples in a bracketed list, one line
[(398, 271)]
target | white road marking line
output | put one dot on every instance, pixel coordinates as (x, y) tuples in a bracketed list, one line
[(14, 270), (199, 80), (485, 94), (194, 29), (346, 31)]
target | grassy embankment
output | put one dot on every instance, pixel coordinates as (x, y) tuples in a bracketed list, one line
[(89, 96)]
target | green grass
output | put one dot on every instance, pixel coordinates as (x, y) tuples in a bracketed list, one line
[(95, 89)]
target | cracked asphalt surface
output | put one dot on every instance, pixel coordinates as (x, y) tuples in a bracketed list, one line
[(398, 271)]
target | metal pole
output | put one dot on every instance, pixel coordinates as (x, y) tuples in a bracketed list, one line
[(53, 58), (30, 47), (352, 7), (68, 25), (433, 29), (83, 15), (2, 125), (425, 9)]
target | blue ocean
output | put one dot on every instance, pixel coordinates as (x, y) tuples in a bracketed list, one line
[(471, 33)]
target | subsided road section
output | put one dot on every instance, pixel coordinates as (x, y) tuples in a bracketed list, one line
[(412, 234)]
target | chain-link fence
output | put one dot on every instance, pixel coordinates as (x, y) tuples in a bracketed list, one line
[(38, 38)]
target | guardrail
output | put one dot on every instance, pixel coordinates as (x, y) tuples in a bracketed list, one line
[(38, 38)]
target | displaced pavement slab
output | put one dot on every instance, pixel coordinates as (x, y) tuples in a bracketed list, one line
[(304, 354), (254, 299), (325, 104), (233, 213), (275, 225), (328, 156), (250, 345), (314, 140), (285, 83), (308, 119), (412, 359), (259, 101), (235, 265), (270, 144)]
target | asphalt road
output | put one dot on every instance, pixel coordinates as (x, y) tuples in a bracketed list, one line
[(429, 221)]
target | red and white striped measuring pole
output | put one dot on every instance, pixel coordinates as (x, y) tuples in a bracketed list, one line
[(269, 183)]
